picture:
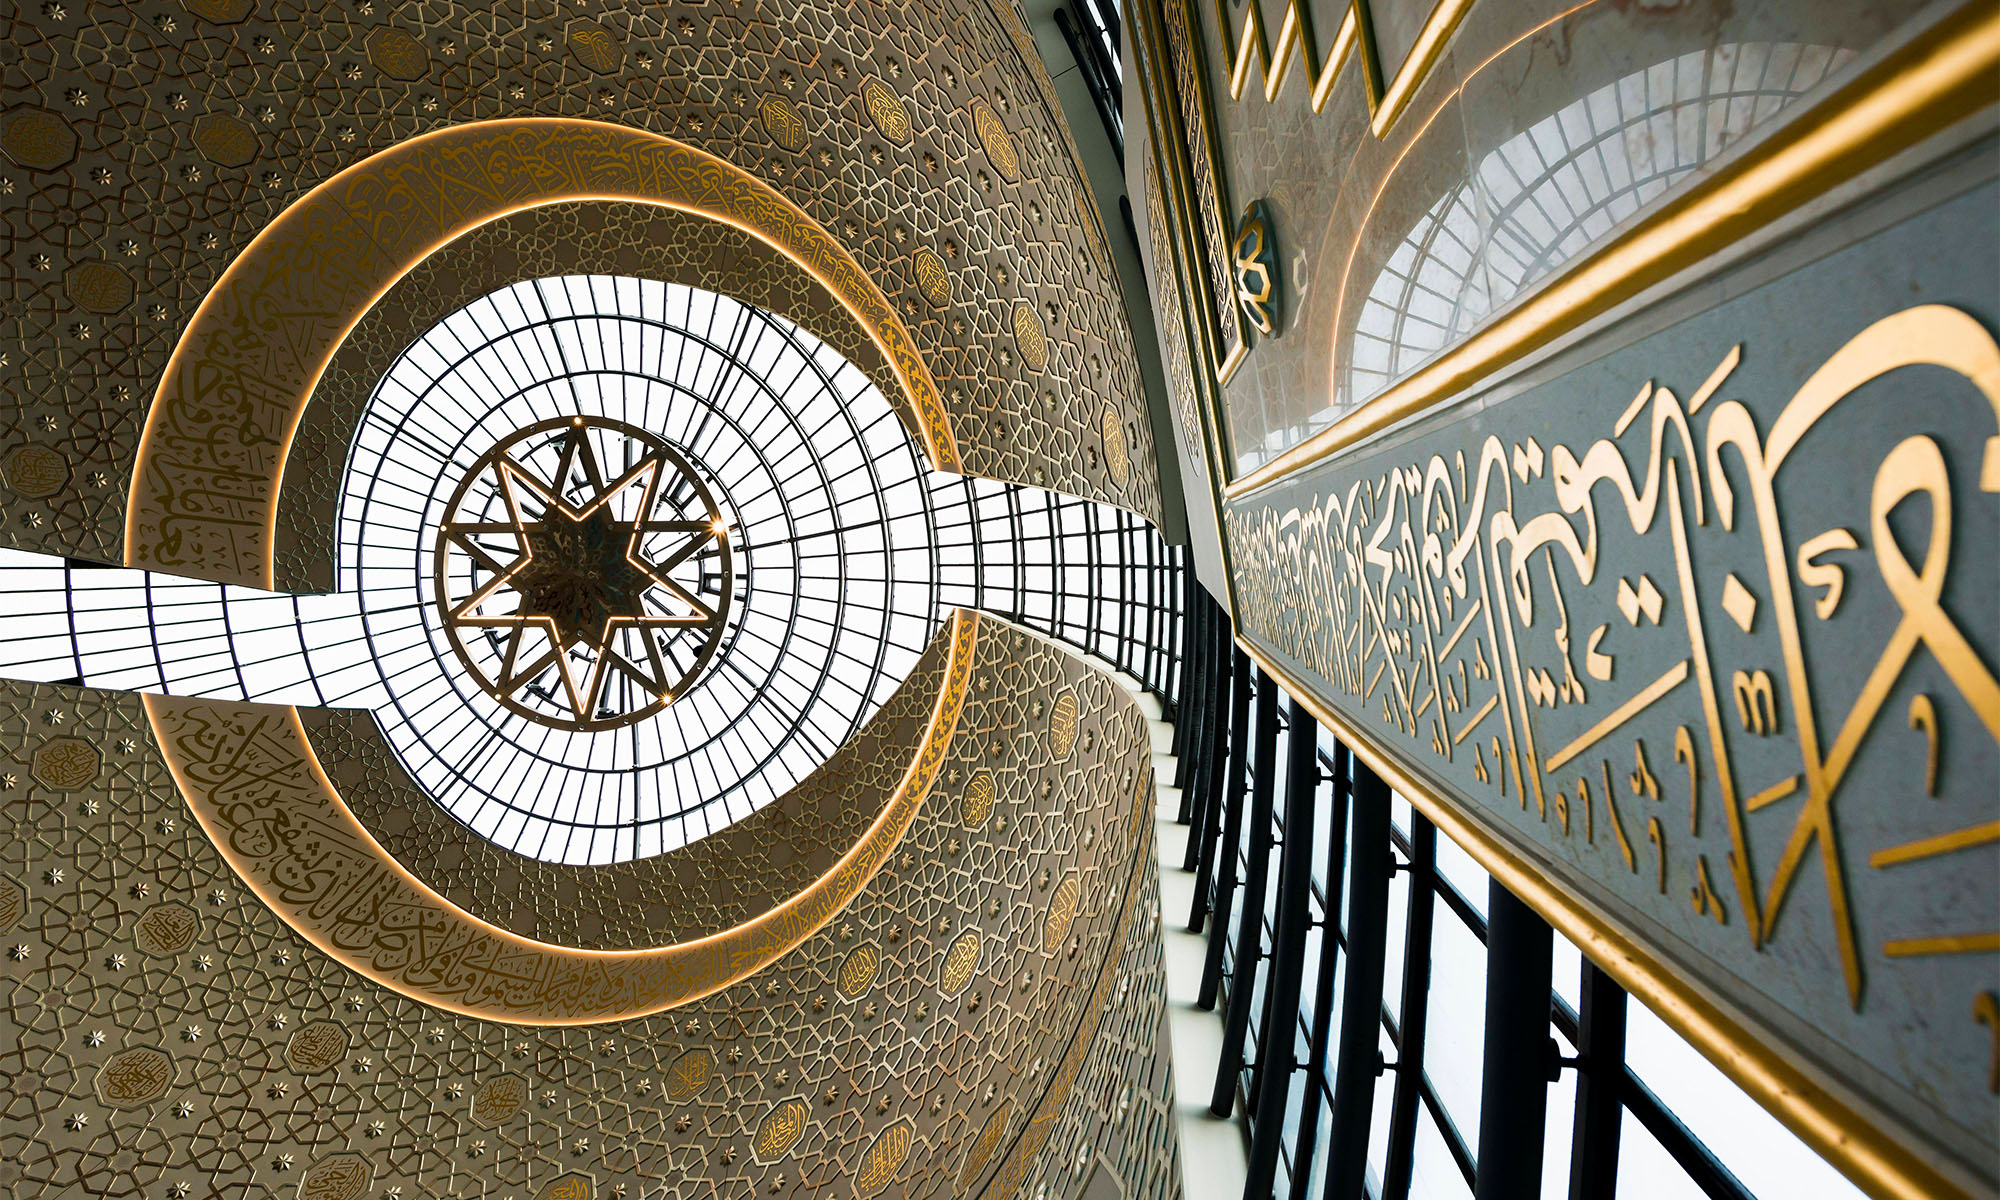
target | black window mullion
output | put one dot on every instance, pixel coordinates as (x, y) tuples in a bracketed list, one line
[(1226, 765), (1251, 804), (1361, 1006), (1188, 711), (1224, 681), (1414, 1012), (1329, 960), (1127, 590), (1514, 1080), (1275, 1068), (1600, 1087), (1204, 772)]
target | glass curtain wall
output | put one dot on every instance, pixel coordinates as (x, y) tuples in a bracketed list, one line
[(1351, 949)]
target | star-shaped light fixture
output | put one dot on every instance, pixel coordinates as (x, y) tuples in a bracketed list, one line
[(580, 594)]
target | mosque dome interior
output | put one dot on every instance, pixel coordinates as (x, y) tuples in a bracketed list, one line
[(1060, 599)]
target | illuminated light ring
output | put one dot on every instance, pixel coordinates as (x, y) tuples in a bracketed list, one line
[(349, 897), (203, 498)]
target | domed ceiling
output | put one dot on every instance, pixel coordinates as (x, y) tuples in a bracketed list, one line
[(911, 158), (602, 424)]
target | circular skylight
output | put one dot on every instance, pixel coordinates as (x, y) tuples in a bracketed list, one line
[(625, 550), (845, 554)]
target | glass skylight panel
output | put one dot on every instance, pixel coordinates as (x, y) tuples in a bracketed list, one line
[(852, 551), (1456, 1030), (1768, 1158)]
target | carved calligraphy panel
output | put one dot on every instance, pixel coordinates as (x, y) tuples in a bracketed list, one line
[(1707, 626)]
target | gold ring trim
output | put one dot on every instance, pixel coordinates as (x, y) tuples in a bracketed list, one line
[(381, 921), (353, 236)]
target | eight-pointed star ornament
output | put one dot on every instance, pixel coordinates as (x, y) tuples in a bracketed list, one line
[(583, 572)]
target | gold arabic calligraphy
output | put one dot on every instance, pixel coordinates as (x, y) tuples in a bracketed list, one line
[(1432, 595)]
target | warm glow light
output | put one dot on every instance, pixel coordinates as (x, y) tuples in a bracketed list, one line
[(748, 204)]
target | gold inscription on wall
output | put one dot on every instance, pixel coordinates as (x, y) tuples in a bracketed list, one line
[(497, 1100), (886, 110), (35, 472), (879, 1163), (594, 46), (1030, 337), (13, 904), (783, 121), (204, 491), (37, 139), (977, 802), (933, 278), (857, 970), (251, 781), (996, 141), (690, 1074), (166, 928), (1063, 717), (780, 1129), (338, 1177), (1117, 456), (983, 1146), (1628, 654), (136, 1077), (960, 961), (397, 54)]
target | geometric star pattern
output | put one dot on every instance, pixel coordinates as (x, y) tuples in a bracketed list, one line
[(571, 575), (436, 1104)]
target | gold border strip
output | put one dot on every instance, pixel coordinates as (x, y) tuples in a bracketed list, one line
[(377, 219), (1252, 40), (1417, 64), (1862, 1150), (1189, 20), (1294, 32), (1171, 165), (1343, 45), (1943, 75), (1176, 169), (606, 985)]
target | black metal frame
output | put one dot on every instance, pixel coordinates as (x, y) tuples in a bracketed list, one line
[(1513, 1085), (1091, 29), (1248, 948), (1278, 1029), (1088, 574), (1246, 809), (1225, 771)]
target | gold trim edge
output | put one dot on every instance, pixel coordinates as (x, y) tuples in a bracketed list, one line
[(622, 163), (1940, 77), (705, 965), (1187, 258), (1863, 1151), (1417, 65)]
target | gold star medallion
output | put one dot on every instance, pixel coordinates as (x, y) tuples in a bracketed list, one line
[(583, 573)]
